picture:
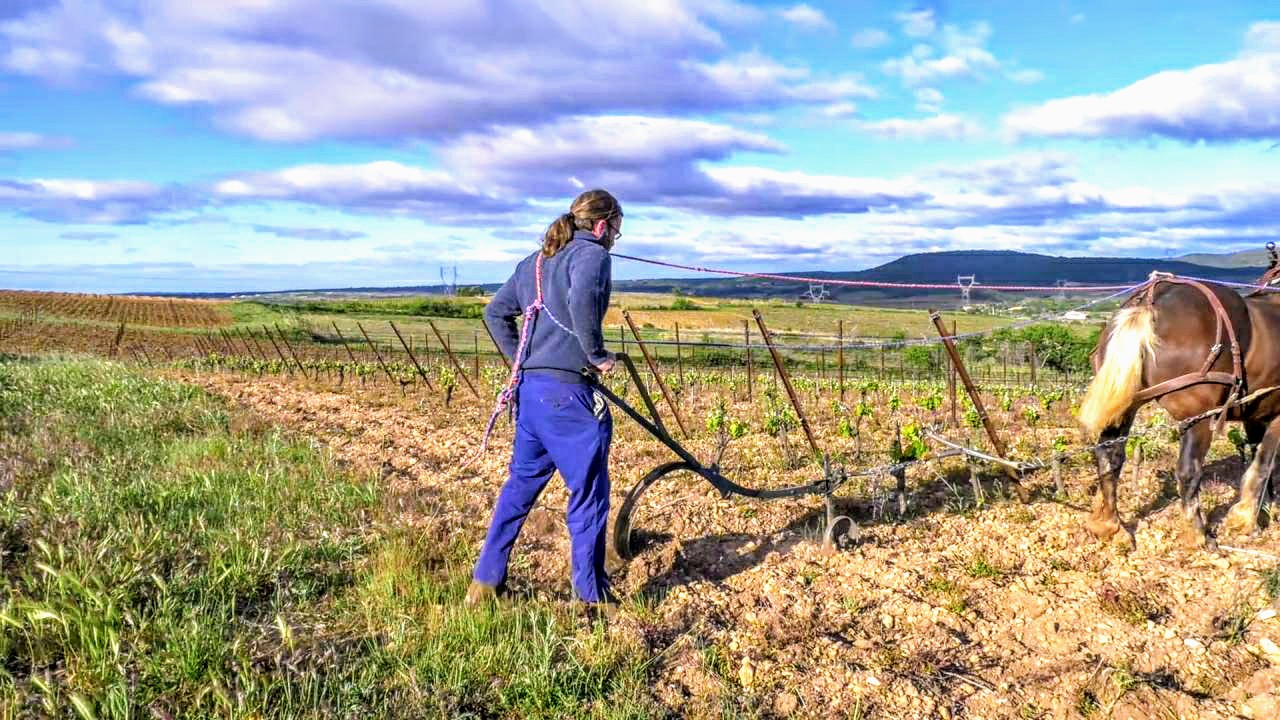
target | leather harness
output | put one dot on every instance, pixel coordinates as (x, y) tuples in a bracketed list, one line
[(1234, 380)]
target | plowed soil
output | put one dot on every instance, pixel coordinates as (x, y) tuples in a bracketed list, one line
[(995, 610)]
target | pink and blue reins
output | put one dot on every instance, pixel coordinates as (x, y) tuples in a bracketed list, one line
[(508, 394)]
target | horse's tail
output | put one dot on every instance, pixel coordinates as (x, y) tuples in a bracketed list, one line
[(1114, 386)]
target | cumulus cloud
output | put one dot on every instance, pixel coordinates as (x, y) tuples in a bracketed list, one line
[(87, 235), (869, 38), (383, 187), (746, 191), (1043, 188), (1017, 171), (1233, 100), (937, 127), (917, 23), (839, 110), (105, 202), (1025, 76), (1262, 37), (639, 156), (964, 55), (309, 233), (928, 100), (280, 71), (806, 16), (657, 161), (10, 141)]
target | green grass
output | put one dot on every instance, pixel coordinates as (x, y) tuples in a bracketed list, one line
[(162, 555), (422, 306), (1133, 604), (980, 567), (1271, 582)]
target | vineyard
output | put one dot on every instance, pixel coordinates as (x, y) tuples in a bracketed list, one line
[(153, 312), (956, 600)]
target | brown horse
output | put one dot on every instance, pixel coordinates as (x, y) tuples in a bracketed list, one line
[(1170, 344)]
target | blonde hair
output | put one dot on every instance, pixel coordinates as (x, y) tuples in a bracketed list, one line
[(588, 208)]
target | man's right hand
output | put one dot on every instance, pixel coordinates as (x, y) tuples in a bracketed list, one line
[(607, 365)]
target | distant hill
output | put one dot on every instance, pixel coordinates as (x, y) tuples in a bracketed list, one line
[(991, 267), (1242, 259)]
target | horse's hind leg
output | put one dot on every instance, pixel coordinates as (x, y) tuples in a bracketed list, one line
[(1195, 444), (1243, 517), (1104, 521), (1254, 432)]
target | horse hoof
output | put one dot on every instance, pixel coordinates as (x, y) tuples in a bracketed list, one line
[(1241, 521), (1103, 530), (1194, 539), (1124, 541)]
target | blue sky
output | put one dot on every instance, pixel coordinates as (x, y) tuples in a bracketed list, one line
[(165, 145)]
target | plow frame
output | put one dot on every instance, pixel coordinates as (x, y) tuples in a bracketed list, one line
[(837, 527)]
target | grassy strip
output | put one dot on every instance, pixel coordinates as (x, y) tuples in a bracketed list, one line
[(161, 556), (411, 306)]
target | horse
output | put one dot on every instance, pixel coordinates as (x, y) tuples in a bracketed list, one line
[(1167, 344)]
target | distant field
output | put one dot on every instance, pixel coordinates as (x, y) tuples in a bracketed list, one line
[(658, 313), (149, 311)]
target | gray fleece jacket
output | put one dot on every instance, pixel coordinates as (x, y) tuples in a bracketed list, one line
[(576, 284)]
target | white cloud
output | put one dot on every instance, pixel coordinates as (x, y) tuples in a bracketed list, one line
[(1227, 101), (1026, 76), (1234, 100), (840, 109), (869, 38), (322, 234), (806, 16), (964, 56), (90, 201), (389, 69), (384, 188), (32, 141), (918, 23), (937, 127), (928, 100), (1262, 37), (663, 162), (747, 191), (595, 150)]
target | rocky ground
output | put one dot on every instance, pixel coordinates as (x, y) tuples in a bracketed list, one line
[(999, 610)]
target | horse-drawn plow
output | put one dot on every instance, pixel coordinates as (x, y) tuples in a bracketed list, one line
[(1218, 386), (837, 530)]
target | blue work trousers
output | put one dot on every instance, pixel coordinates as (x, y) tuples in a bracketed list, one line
[(561, 426)]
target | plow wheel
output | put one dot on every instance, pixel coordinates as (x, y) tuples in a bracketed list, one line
[(640, 524), (841, 531)]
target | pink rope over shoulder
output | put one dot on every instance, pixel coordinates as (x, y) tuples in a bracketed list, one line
[(508, 394)]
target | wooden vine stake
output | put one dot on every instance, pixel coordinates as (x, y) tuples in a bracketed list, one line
[(657, 376), (786, 383), (453, 360)]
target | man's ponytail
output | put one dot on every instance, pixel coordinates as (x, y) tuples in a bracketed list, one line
[(558, 235), (588, 208)]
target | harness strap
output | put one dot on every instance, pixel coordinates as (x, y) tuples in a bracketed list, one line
[(1182, 382), (1235, 380)]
